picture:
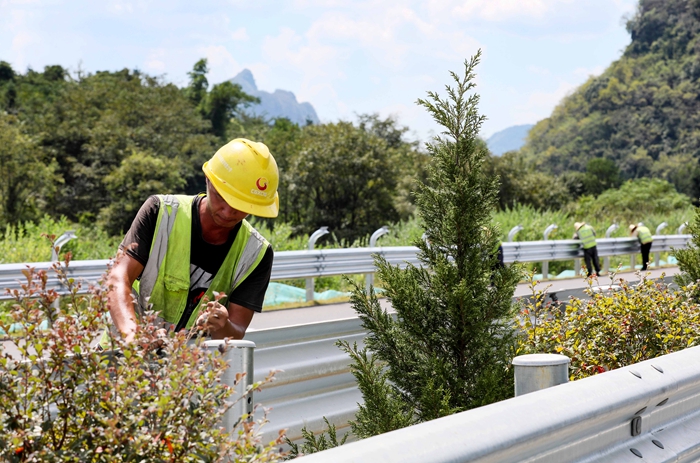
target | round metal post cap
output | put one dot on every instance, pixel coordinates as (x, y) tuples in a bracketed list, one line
[(214, 343), (539, 360)]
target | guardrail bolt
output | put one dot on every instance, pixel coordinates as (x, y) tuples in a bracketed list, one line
[(636, 425), (312, 242)]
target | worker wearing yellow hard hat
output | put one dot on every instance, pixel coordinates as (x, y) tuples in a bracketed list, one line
[(645, 239), (586, 233), (181, 250), (250, 184)]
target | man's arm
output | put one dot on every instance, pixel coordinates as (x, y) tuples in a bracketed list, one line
[(120, 298), (226, 323)]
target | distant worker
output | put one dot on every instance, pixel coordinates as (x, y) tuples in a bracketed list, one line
[(586, 234), (180, 249), (645, 239)]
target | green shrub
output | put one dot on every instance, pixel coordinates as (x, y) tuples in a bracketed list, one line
[(63, 401), (634, 200), (448, 347), (31, 242), (610, 330), (689, 258), (313, 444)]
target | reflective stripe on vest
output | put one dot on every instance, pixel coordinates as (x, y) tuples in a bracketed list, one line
[(587, 236), (165, 281), (644, 235)]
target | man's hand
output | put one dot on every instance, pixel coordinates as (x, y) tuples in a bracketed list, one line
[(213, 318)]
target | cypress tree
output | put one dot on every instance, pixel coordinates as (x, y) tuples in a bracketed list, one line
[(448, 347), (689, 258)]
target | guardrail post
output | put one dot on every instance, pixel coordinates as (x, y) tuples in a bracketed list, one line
[(545, 264), (539, 371), (682, 228), (312, 242), (56, 249), (577, 267), (239, 355), (657, 254), (369, 277), (513, 231), (606, 261)]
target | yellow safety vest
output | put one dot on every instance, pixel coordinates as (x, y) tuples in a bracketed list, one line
[(587, 236), (165, 281), (644, 235)]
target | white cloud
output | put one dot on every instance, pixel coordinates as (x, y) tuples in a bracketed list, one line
[(156, 61), (502, 10), (121, 7), (222, 64), (496, 11), (240, 35), (23, 39), (539, 71), (289, 48), (462, 46), (319, 3), (5, 3), (539, 104), (588, 72)]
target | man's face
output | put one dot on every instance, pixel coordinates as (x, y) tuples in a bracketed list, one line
[(221, 213)]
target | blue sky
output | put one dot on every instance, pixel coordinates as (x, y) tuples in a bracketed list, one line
[(344, 57)]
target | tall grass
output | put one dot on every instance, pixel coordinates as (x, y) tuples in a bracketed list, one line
[(535, 222), (30, 242)]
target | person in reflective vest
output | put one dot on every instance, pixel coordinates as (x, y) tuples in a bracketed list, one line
[(645, 239), (181, 249), (586, 234)]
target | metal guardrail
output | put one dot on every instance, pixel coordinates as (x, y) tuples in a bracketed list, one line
[(315, 380), (649, 412), (289, 265)]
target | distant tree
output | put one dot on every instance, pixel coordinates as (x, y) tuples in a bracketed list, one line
[(689, 258), (521, 183), (6, 71), (284, 141), (220, 104), (634, 200), (138, 177), (342, 178), (98, 120), (54, 73), (601, 174), (353, 179), (642, 112), (450, 344), (198, 86), (28, 176), (408, 158)]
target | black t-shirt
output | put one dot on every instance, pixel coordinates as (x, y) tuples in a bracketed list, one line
[(205, 259)]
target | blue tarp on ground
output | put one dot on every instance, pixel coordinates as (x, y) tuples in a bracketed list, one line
[(278, 294)]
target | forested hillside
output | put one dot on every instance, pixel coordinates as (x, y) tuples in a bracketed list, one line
[(93, 147), (640, 117)]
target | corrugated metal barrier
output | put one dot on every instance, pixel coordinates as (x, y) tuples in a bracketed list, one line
[(648, 412), (326, 262)]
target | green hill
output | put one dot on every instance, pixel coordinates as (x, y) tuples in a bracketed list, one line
[(643, 112)]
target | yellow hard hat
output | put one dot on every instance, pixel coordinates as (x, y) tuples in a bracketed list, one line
[(245, 174), (633, 227), (578, 225)]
